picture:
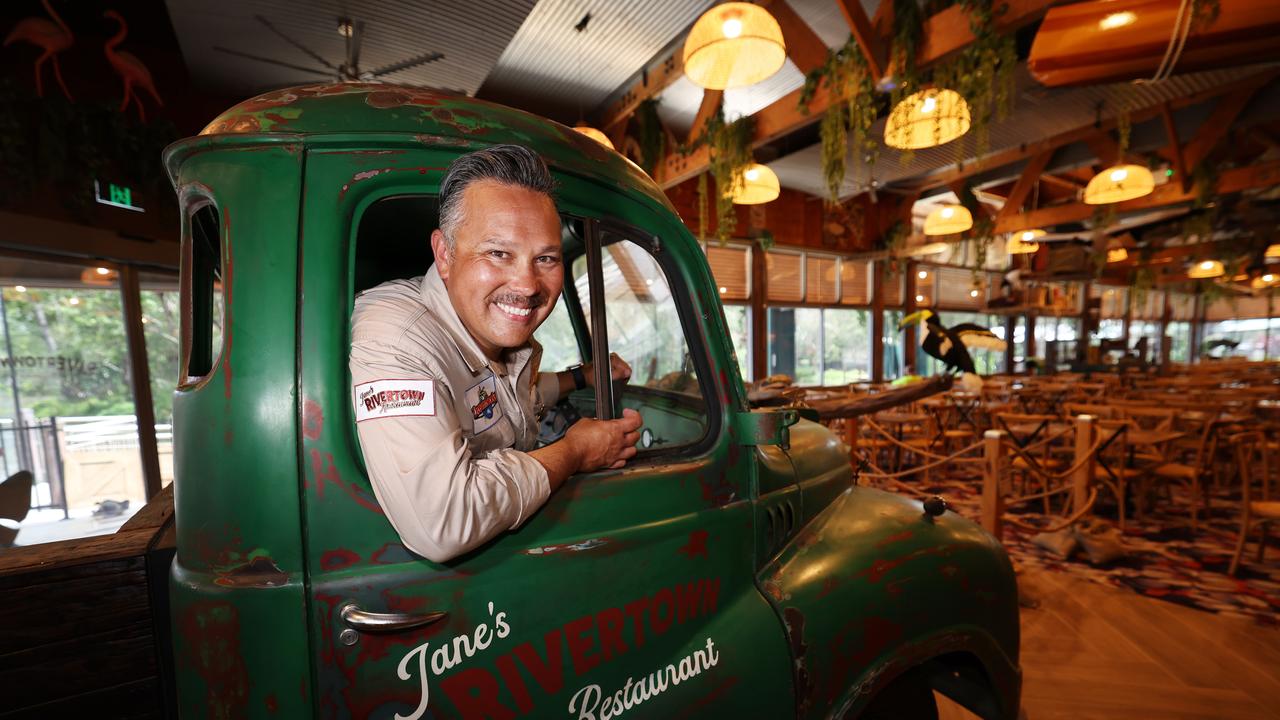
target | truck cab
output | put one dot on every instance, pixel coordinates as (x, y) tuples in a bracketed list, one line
[(734, 568)]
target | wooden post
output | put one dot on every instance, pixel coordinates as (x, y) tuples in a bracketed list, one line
[(908, 307), (1083, 476), (992, 500), (140, 378), (759, 317), (877, 320), (1166, 314), (1010, 325), (851, 438)]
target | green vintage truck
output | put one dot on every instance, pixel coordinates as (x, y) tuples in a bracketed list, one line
[(734, 569)]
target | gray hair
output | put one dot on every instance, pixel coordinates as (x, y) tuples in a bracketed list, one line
[(514, 165)]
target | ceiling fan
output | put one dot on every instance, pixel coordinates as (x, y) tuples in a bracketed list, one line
[(348, 71)]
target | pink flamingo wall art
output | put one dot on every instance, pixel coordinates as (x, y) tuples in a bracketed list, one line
[(129, 68), (52, 37)]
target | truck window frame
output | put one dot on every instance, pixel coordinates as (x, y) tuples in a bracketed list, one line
[(200, 274), (594, 230)]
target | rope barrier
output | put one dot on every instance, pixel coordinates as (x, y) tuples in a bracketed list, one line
[(889, 436), (1068, 522), (922, 468)]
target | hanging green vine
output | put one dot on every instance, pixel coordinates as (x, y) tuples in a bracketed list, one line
[(846, 125), (983, 73), (730, 151), (649, 134)]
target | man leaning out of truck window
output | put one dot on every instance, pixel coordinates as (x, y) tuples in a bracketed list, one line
[(444, 366)]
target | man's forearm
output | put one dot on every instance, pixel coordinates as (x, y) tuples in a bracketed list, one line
[(559, 458)]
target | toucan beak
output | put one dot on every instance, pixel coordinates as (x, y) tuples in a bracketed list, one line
[(914, 318)]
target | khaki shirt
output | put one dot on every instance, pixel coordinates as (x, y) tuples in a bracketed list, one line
[(443, 428)]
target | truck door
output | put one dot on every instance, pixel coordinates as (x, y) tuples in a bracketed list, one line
[(629, 591)]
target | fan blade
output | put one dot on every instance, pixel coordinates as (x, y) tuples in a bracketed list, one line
[(406, 64), (314, 56), (259, 58)]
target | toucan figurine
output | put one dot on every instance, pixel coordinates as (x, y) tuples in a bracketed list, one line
[(951, 345)]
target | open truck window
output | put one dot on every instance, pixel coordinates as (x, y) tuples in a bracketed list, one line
[(204, 299)]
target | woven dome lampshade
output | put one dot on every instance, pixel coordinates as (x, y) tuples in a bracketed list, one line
[(1117, 254), (1119, 183), (1205, 269), (927, 119), (1023, 242), (733, 45), (948, 220), (1273, 252), (595, 134), (757, 185)]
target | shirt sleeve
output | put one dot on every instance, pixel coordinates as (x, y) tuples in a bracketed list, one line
[(441, 498)]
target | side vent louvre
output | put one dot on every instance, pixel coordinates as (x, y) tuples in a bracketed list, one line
[(781, 519)]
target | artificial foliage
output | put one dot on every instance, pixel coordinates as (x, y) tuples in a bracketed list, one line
[(846, 124), (983, 72), (650, 135), (729, 144)]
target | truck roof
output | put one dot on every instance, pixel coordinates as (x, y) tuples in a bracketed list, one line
[(344, 111)]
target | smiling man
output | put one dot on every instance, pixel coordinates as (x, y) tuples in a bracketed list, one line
[(444, 367)]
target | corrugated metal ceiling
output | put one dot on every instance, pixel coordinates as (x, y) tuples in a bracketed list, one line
[(552, 69), (471, 33)]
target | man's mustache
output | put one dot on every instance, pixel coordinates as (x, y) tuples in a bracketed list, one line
[(530, 302)]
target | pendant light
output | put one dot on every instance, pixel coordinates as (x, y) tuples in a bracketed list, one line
[(1273, 252), (948, 220), (594, 134), (1119, 183), (733, 45), (925, 119), (758, 184), (1205, 269), (1023, 243), (1117, 254)]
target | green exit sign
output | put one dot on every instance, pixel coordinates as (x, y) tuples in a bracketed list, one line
[(120, 196)]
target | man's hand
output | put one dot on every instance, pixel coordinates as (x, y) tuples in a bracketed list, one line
[(618, 370), (591, 445), (603, 444)]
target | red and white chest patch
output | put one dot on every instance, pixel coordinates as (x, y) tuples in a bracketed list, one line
[(394, 398)]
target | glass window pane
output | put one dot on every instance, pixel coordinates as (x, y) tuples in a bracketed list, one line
[(644, 329), (739, 319), (160, 324), (892, 340), (559, 344), (846, 346), (794, 344), (66, 408)]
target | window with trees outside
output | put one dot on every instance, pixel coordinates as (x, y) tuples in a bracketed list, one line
[(67, 415)]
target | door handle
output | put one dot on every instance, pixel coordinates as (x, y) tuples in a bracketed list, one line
[(372, 622)]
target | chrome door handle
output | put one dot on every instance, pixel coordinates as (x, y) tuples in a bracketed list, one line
[(372, 622)]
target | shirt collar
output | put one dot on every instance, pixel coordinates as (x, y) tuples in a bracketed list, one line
[(436, 297)]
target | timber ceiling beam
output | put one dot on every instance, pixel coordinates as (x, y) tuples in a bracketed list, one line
[(1216, 126), (1062, 182), (710, 103), (944, 33), (873, 45), (1262, 175), (996, 160), (1026, 183), (804, 48), (1174, 150)]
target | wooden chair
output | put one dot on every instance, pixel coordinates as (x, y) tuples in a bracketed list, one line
[(15, 503), (1073, 409), (1196, 473), (1111, 468), (1252, 454)]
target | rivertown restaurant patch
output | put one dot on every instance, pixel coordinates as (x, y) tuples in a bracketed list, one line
[(394, 398)]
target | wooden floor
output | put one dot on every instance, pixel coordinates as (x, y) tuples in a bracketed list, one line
[(1092, 651)]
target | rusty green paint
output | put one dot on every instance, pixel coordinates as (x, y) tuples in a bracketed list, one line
[(278, 526)]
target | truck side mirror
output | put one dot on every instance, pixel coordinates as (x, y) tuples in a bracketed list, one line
[(764, 427)]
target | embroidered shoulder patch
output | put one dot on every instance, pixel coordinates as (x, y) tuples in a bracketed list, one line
[(394, 398), (482, 400)]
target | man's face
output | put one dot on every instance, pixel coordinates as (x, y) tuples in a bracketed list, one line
[(505, 271)]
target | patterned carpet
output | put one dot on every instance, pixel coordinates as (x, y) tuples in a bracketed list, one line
[(1163, 558)]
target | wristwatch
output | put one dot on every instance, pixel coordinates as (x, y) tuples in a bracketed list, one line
[(579, 377)]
